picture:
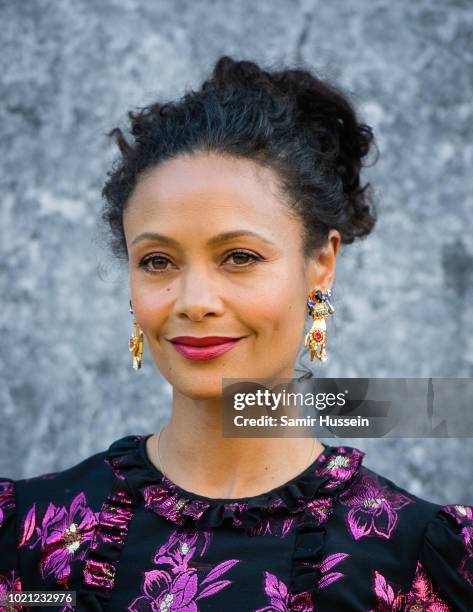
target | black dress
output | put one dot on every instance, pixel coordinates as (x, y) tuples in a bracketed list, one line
[(338, 536)]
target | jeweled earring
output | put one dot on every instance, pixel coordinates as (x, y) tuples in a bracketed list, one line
[(136, 344), (319, 306)]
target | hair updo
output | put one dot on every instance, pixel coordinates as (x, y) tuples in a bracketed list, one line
[(302, 127)]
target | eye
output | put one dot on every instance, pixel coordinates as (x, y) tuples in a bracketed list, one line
[(144, 263), (244, 254), (162, 261)]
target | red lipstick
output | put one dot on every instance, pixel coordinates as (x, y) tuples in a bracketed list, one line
[(203, 348)]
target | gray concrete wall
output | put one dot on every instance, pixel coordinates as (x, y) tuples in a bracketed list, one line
[(69, 72)]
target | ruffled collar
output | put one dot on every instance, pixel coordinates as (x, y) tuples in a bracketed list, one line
[(312, 489)]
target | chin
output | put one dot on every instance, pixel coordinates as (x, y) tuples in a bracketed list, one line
[(201, 390), (201, 393), (202, 384)]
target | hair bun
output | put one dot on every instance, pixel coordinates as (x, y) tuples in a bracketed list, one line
[(326, 116), (326, 111)]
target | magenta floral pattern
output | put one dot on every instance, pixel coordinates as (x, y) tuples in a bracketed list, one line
[(464, 517), (422, 597), (327, 577), (271, 523), (112, 528), (278, 526), (63, 535), (373, 508), (165, 500), (9, 583), (275, 517), (280, 600), (7, 498), (320, 508), (177, 585), (339, 467)]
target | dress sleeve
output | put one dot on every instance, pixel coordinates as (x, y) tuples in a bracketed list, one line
[(447, 555), (9, 572)]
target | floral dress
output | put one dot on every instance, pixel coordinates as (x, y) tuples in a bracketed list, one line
[(337, 537)]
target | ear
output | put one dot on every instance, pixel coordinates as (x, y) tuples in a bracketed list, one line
[(321, 269)]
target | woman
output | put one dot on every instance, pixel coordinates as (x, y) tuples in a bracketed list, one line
[(230, 206)]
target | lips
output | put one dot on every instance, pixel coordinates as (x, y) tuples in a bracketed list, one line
[(204, 341), (201, 349)]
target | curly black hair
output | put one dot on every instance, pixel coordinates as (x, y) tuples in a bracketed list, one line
[(302, 127)]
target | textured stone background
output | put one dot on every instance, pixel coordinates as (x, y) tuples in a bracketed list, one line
[(71, 69)]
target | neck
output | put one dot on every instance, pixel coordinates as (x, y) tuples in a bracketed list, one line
[(195, 456)]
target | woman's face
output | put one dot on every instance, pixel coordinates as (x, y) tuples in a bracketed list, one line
[(188, 279)]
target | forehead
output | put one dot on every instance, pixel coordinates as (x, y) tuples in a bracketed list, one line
[(209, 185)]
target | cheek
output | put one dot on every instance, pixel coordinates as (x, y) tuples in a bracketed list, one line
[(280, 307), (150, 308)]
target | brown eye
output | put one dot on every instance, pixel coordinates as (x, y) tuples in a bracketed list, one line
[(154, 258), (239, 255)]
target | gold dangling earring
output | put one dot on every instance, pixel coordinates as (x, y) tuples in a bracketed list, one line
[(136, 344), (319, 307)]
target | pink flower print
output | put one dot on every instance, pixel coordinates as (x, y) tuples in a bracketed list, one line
[(7, 498), (278, 526), (272, 521), (61, 535), (422, 597), (11, 583), (461, 514), (327, 577), (180, 548), (320, 508), (177, 587), (163, 593), (340, 466), (281, 600), (322, 569), (373, 508)]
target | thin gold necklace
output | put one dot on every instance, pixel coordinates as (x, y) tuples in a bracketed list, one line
[(161, 464), (157, 448)]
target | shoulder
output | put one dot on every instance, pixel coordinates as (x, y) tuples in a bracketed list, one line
[(90, 478), (379, 519), (433, 542), (75, 491), (35, 511), (447, 551)]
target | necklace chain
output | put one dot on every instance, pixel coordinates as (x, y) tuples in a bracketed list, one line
[(157, 448), (161, 464)]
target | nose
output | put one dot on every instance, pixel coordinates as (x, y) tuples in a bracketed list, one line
[(198, 294)]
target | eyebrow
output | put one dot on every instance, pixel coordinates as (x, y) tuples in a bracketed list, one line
[(211, 242)]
